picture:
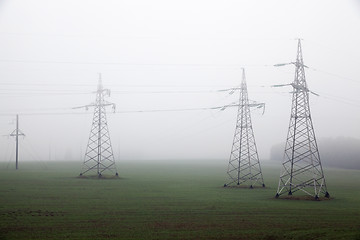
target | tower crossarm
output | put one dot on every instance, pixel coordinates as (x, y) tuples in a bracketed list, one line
[(104, 91), (86, 106), (256, 104), (19, 133), (104, 104), (297, 87), (297, 64)]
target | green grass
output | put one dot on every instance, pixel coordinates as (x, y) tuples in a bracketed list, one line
[(168, 201)]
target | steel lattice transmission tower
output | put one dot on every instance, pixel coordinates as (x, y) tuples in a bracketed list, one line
[(244, 165), (99, 158), (301, 167)]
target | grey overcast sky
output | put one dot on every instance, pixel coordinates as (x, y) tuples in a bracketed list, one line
[(171, 54)]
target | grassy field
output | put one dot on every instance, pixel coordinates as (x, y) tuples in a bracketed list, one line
[(168, 201)]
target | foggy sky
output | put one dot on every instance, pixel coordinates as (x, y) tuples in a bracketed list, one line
[(52, 51)]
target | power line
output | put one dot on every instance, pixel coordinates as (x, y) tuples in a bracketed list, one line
[(339, 99), (132, 64), (176, 110), (72, 92), (44, 84), (21, 92), (334, 75), (165, 64), (40, 93), (113, 85), (128, 111)]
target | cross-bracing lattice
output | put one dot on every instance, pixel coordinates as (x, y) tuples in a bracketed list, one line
[(301, 167), (244, 166), (99, 158)]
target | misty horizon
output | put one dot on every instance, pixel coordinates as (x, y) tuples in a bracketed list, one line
[(169, 71)]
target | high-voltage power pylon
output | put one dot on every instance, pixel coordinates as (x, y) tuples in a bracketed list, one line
[(244, 165), (99, 158), (16, 133), (301, 167)]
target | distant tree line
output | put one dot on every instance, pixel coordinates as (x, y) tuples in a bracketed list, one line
[(338, 152)]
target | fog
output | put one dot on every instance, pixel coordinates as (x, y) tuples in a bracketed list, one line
[(171, 55), (337, 152)]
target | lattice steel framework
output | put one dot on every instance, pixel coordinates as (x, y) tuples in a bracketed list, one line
[(99, 158), (301, 167), (244, 165)]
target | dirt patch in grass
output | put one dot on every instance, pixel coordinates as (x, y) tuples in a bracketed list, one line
[(305, 197), (244, 187), (104, 177)]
